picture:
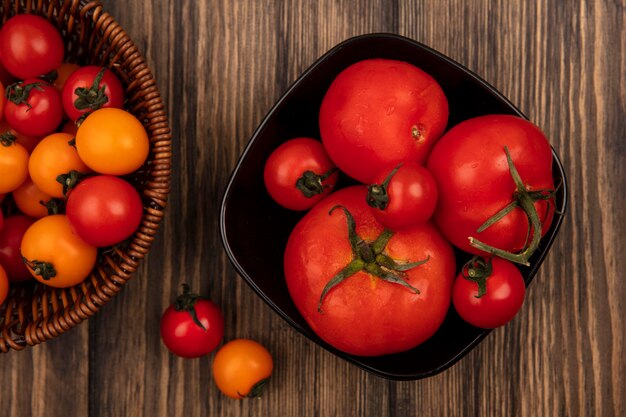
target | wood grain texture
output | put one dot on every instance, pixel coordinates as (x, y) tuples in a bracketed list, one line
[(220, 66)]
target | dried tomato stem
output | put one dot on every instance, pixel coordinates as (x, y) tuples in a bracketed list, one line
[(311, 184)]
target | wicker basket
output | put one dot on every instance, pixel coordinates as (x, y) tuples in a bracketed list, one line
[(34, 313)]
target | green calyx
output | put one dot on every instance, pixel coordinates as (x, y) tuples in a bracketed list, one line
[(91, 98), (7, 138), (42, 269), (257, 389), (70, 180), (311, 184), (377, 196), (525, 200), (186, 301), (19, 92), (370, 258), (477, 270)]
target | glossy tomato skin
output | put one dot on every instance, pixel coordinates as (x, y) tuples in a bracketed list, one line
[(112, 141), (30, 200), (379, 112), (504, 297), (104, 210), (40, 114), (52, 240), (241, 368), (10, 239), (4, 285), (64, 71), (365, 315), (13, 166), (412, 196), (470, 168), (30, 46), (183, 337), (84, 78), (288, 163), (54, 155)]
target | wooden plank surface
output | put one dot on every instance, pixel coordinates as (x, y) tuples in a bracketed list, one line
[(220, 66)]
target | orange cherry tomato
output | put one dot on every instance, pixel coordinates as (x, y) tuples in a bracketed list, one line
[(63, 72), (241, 368), (4, 285), (13, 165), (31, 200), (28, 142), (112, 141), (55, 255), (54, 156)]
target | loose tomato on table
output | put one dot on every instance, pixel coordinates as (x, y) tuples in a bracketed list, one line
[(10, 239), (91, 88), (30, 46), (55, 156), (488, 293), (403, 196), (299, 173), (241, 368), (33, 107), (364, 289), (13, 164), (496, 190), (192, 326), (112, 141), (104, 210), (378, 113), (55, 255)]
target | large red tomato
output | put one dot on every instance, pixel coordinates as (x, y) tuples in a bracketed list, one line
[(379, 112), (389, 291), (476, 181)]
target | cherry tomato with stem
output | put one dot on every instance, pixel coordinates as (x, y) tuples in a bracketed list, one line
[(242, 368), (299, 173), (33, 107), (403, 196), (193, 326), (10, 239), (13, 164), (8, 133), (30, 46), (104, 210), (33, 202), (488, 293), (91, 88), (55, 255)]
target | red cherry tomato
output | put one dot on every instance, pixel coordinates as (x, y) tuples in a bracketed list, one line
[(28, 142), (378, 113), (4, 285), (475, 182), (356, 283), (499, 299), (192, 326), (403, 196), (299, 173), (90, 88), (10, 239), (104, 210), (33, 107), (30, 46)]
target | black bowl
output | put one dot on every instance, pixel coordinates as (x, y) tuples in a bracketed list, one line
[(255, 229)]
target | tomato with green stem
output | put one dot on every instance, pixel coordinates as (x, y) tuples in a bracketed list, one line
[(299, 173), (13, 164), (193, 326), (33, 107), (488, 293), (90, 88)]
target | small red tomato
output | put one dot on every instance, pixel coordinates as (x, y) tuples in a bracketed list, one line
[(4, 285), (33, 107), (488, 293), (192, 326), (403, 196), (30, 46), (299, 173), (10, 239), (104, 210), (91, 88)]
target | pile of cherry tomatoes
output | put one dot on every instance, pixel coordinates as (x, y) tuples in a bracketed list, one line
[(371, 265), (66, 144)]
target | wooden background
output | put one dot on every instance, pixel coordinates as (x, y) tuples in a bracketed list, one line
[(220, 65)]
